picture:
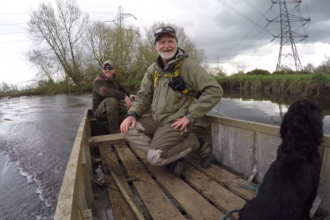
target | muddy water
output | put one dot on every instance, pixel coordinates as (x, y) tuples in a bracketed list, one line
[(37, 134)]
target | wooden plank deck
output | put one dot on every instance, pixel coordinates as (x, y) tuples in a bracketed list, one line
[(198, 194)]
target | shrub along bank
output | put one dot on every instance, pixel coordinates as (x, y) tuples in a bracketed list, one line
[(304, 85)]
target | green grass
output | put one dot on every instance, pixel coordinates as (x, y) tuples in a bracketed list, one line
[(305, 85)]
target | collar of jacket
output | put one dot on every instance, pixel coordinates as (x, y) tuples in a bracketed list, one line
[(178, 55), (108, 79)]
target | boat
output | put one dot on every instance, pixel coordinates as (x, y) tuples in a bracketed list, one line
[(243, 152)]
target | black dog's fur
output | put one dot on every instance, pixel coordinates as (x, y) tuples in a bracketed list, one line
[(290, 184)]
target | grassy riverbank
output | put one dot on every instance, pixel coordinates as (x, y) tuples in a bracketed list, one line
[(304, 85), (51, 88)]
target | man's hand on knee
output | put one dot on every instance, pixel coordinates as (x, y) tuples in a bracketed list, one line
[(126, 123), (180, 122)]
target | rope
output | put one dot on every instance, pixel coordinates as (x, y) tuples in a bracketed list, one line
[(228, 213), (252, 186)]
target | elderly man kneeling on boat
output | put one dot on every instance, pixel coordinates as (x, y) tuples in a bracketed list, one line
[(177, 91)]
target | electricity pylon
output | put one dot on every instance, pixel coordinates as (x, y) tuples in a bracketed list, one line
[(120, 37), (119, 20), (287, 36)]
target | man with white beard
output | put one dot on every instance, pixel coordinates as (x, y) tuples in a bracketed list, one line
[(177, 91)]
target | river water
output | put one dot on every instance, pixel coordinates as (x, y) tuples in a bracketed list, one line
[(37, 134)]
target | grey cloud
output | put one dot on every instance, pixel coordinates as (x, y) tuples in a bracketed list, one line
[(227, 40)]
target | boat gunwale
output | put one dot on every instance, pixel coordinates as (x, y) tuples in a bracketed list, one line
[(254, 126), (67, 199)]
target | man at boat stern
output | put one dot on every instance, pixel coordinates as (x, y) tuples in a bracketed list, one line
[(107, 94), (177, 91)]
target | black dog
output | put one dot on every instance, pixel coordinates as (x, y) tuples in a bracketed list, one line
[(290, 184)]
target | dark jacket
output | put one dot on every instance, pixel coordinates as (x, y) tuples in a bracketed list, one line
[(105, 88)]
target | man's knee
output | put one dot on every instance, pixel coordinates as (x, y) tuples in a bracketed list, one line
[(137, 139), (154, 157), (111, 104)]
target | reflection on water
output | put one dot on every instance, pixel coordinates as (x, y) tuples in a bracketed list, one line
[(38, 133), (263, 108)]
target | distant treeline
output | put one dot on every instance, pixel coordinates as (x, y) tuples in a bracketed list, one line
[(309, 81), (304, 84)]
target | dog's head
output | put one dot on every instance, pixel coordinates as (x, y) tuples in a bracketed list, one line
[(304, 120)]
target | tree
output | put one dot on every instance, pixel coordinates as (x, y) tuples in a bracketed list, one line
[(57, 37), (309, 68), (324, 67), (4, 87), (119, 44), (215, 71), (43, 63), (258, 72), (240, 70), (286, 69)]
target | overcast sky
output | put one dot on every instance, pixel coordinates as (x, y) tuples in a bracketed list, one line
[(230, 31)]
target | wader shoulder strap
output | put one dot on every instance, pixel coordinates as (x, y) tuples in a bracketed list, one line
[(175, 71)]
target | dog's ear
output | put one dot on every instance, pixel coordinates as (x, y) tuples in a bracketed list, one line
[(303, 118)]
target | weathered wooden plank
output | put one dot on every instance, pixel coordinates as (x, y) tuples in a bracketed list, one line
[(324, 189), (106, 139), (120, 208), (70, 197), (157, 203), (254, 126), (88, 188), (195, 205), (326, 141), (223, 198), (223, 177)]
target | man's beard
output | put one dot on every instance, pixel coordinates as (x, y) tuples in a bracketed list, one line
[(167, 56)]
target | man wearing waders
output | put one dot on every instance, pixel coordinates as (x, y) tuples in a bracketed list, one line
[(177, 91), (107, 93)]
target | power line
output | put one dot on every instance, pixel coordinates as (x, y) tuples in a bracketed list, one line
[(13, 41), (99, 12), (263, 16), (9, 54), (254, 7), (93, 3), (11, 24), (243, 15), (307, 8), (14, 13), (261, 49), (13, 33), (250, 43), (27, 13)]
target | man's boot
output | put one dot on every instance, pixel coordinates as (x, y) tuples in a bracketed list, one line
[(177, 167), (205, 151), (113, 120)]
